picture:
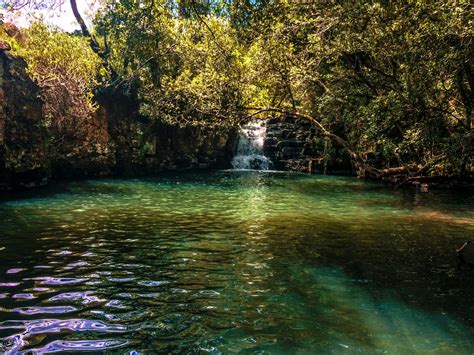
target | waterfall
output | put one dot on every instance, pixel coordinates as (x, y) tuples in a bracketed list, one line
[(249, 153)]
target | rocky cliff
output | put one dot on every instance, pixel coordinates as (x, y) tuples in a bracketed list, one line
[(116, 141), (295, 145), (23, 151)]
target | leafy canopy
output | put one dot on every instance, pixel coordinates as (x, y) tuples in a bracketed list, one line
[(393, 79)]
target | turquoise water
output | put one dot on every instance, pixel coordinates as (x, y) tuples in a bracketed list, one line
[(224, 262)]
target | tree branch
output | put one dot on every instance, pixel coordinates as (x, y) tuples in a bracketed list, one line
[(92, 42), (322, 129), (363, 169)]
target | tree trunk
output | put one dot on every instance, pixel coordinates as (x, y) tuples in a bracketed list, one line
[(85, 31), (92, 42)]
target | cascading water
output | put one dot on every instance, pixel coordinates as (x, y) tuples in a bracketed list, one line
[(249, 155)]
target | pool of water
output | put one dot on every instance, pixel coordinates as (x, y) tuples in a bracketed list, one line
[(256, 262)]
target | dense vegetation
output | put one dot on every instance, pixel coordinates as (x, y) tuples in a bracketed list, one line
[(392, 82), (67, 72)]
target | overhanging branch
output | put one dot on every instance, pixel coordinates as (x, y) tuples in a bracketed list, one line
[(363, 169)]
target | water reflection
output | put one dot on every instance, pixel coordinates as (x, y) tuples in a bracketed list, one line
[(229, 262)]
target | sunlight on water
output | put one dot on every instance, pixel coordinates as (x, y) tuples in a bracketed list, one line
[(235, 261)]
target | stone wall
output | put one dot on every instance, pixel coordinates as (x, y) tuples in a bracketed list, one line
[(2, 111), (294, 144)]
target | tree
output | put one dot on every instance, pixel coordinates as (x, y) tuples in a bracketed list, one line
[(391, 82), (67, 72), (384, 76)]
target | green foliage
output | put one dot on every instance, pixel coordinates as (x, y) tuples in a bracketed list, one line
[(394, 79), (67, 72), (187, 69), (52, 52), (201, 76)]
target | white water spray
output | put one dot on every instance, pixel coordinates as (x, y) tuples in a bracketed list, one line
[(249, 155)]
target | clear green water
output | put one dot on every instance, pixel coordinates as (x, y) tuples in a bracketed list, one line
[(235, 262)]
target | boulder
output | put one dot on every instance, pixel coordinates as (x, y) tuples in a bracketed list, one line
[(14, 32), (291, 144), (273, 133)]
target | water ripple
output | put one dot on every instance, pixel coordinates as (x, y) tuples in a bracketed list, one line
[(55, 281), (44, 310), (40, 326), (79, 345), (15, 270), (234, 262), (85, 297)]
